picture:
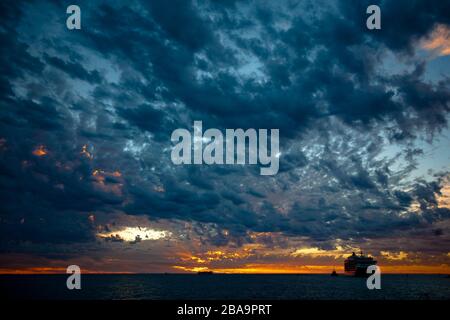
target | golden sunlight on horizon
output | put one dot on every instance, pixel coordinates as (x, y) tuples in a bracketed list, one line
[(316, 269), (245, 269)]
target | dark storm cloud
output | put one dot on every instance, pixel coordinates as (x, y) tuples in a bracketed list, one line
[(311, 70), (16, 61), (151, 119), (287, 104), (180, 20), (73, 69)]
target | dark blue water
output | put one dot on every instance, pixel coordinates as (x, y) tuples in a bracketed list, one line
[(217, 286)]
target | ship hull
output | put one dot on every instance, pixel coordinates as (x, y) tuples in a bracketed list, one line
[(359, 270)]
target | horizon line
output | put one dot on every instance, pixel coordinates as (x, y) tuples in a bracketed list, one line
[(213, 273)]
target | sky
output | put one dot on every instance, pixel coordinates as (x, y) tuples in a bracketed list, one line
[(86, 118)]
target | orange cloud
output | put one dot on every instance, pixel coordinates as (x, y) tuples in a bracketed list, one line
[(40, 151), (100, 176), (443, 198), (438, 41), (314, 252), (394, 255)]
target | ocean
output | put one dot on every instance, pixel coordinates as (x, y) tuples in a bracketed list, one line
[(223, 286)]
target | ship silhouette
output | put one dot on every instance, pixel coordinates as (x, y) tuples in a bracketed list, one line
[(357, 266), (205, 272)]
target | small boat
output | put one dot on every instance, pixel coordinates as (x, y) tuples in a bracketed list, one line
[(334, 273), (204, 272)]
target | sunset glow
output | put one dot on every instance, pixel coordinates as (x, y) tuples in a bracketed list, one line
[(136, 233), (226, 136)]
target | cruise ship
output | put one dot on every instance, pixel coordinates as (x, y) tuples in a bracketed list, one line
[(357, 265)]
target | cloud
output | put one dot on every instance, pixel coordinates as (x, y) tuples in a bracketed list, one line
[(73, 69), (79, 107), (438, 41), (316, 252), (394, 255), (133, 233)]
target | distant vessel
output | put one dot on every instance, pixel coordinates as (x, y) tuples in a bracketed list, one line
[(334, 273), (205, 272), (357, 265)]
